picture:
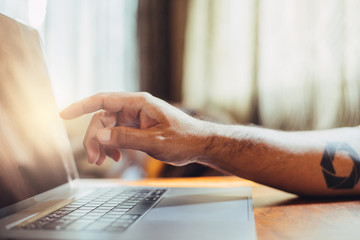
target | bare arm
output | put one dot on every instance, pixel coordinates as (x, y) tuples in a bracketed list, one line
[(305, 163)]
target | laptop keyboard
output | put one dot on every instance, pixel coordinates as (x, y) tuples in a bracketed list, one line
[(111, 209)]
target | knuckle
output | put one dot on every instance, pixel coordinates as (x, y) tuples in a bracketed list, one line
[(100, 94), (122, 137), (145, 96), (97, 115), (96, 118), (99, 98), (85, 143), (95, 97)]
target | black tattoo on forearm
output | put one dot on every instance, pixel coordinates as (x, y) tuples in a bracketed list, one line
[(332, 180)]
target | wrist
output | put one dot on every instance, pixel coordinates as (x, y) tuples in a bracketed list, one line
[(223, 144), (211, 135)]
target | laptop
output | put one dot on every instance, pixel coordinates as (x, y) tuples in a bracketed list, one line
[(41, 194)]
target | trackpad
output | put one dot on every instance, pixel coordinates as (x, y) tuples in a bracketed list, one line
[(212, 207), (202, 216)]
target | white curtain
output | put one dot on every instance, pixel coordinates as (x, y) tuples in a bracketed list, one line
[(296, 62), (219, 56), (309, 63), (90, 45)]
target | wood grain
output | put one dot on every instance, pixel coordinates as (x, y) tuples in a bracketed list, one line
[(280, 215)]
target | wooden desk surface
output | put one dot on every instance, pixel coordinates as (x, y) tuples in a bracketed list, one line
[(280, 215)]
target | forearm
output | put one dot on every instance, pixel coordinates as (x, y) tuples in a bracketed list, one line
[(291, 161)]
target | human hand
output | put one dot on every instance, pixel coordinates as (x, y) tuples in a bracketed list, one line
[(142, 122)]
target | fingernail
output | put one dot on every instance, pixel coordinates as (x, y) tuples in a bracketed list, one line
[(104, 135)]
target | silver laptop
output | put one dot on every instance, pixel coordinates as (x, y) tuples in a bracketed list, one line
[(41, 195)]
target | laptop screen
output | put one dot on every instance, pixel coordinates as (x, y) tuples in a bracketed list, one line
[(35, 153)]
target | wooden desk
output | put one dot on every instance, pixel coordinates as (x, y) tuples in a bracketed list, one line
[(280, 215)]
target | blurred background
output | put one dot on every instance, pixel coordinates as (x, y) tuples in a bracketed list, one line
[(282, 64)]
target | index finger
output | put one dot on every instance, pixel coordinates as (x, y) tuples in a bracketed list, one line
[(112, 102)]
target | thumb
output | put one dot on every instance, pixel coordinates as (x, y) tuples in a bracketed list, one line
[(123, 137)]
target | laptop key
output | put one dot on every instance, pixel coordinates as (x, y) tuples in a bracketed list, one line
[(32, 226), (56, 225), (130, 217), (79, 224), (109, 211), (116, 228), (110, 216), (141, 207), (97, 226)]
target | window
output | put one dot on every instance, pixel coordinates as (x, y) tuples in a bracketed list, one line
[(90, 45)]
